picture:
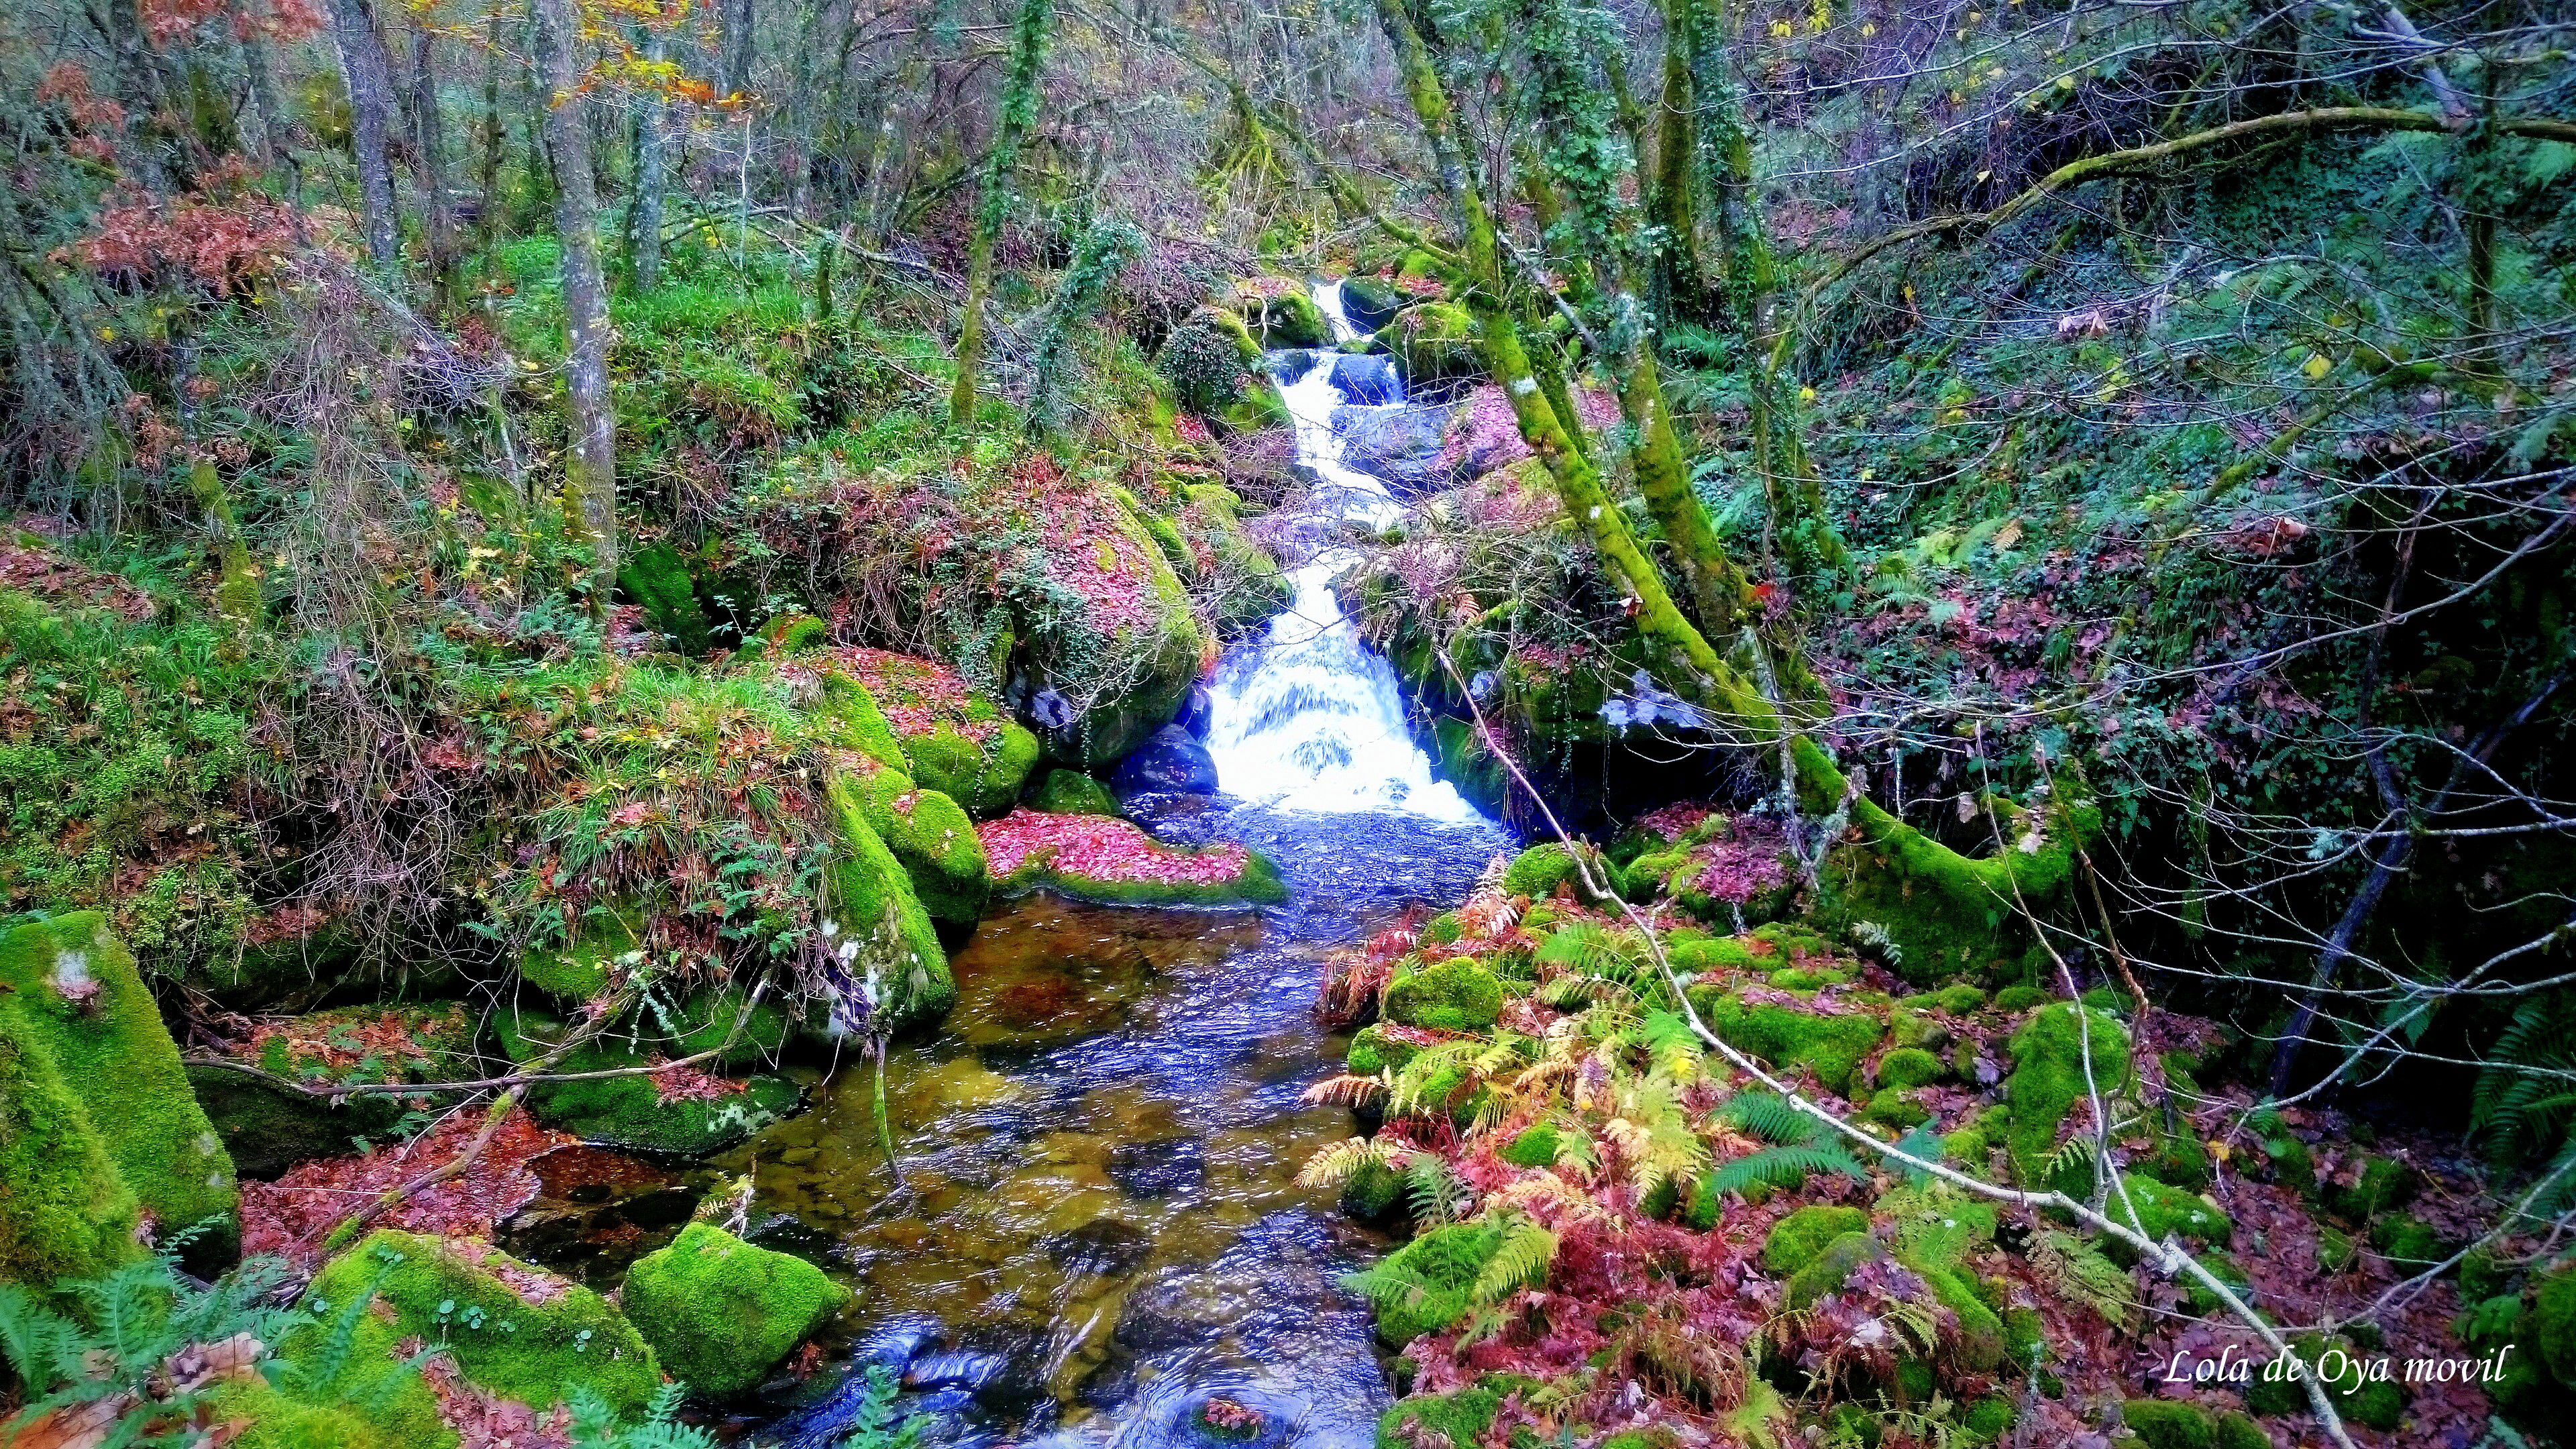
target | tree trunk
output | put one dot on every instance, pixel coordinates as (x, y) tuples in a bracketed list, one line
[(429, 144), (1677, 275), (487, 219), (1017, 113), (369, 74), (590, 464), (262, 73), (644, 212)]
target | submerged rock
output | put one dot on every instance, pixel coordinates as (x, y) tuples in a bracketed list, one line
[(1112, 862), (1161, 1168), (1171, 762)]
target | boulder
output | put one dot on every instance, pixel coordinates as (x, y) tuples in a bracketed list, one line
[(1071, 792), (69, 992), (720, 1313), (66, 1214), (1198, 712), (896, 973), (1370, 303), (1400, 445), (1367, 379), (1171, 762), (1279, 312), (514, 1330), (687, 1112)]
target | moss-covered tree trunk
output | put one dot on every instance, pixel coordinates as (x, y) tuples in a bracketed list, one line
[(590, 462), (1673, 199), (1709, 677), (1018, 111)]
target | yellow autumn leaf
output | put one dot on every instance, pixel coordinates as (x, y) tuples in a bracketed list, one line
[(2317, 366), (2008, 535)]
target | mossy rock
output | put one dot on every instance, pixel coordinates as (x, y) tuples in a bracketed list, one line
[(2048, 1077), (1459, 1418), (2017, 999), (1280, 313), (582, 970), (1979, 1342), (1373, 1050), (2550, 1327), (1908, 1067), (1988, 1418), (2239, 1431), (878, 928), (1071, 792), (2162, 1212), (267, 1130), (1891, 1107), (1831, 1268), (1131, 680), (2408, 1242), (1374, 1194), (657, 579), (2170, 1424), (1539, 870), (981, 764), (2384, 1183), (460, 1299), (1245, 585), (2293, 1165), (2199, 1298), (1441, 1268), (1456, 995), (2372, 1405), (1951, 916), (630, 1112), (276, 1421), (1371, 303), (370, 1382), (1533, 1146), (1432, 342), (1801, 1237), (931, 836), (1960, 999), (1256, 881), (1832, 1047), (73, 995), (66, 1213), (720, 1313)]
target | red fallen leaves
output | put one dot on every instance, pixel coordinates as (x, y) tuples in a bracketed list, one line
[(1096, 847), (1744, 862), (289, 1218), (689, 1084), (482, 1421), (1486, 436), (917, 695), (392, 1038)]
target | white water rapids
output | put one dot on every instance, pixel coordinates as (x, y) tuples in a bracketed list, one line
[(1307, 718)]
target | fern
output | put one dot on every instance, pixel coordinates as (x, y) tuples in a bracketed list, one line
[(1521, 1260), (1781, 1167), (595, 1426), (1771, 1117), (2524, 1104), (2077, 1271), (1333, 1168), (1437, 1194), (1672, 1048), (876, 1425)]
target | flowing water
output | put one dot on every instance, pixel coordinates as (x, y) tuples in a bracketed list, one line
[(1097, 1231)]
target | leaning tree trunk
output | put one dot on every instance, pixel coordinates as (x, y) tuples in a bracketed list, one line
[(1709, 677), (369, 74), (429, 144), (1018, 112), (590, 465)]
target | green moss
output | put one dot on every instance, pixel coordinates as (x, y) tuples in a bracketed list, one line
[(267, 1130), (657, 578), (74, 996), (448, 1295), (1799, 1238), (847, 716), (1257, 883), (2239, 1431), (581, 971), (1534, 1147), (2198, 1298), (1373, 1194), (1961, 999), (1892, 1107), (2169, 1424), (2049, 1055), (276, 1421), (1833, 1047), (1071, 792), (64, 1213), (1373, 1051), (1539, 870), (1988, 1418), (877, 925), (2552, 1325), (1908, 1067), (2407, 1241), (1432, 341), (1438, 1270), (1979, 1343), (2383, 1183), (1831, 1268), (1459, 1418), (2019, 998), (2293, 1165), (2161, 1211), (629, 1111), (2372, 1405), (932, 837), (982, 766), (1455, 995), (721, 1313)]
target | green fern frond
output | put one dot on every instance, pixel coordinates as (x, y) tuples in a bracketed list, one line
[(1782, 1167), (1521, 1260), (1770, 1116)]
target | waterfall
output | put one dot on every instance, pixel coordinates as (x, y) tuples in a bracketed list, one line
[(1306, 718), (1328, 299)]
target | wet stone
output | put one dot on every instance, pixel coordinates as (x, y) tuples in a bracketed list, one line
[(1104, 1246), (1164, 1168)]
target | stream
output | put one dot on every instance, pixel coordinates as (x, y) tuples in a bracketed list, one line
[(1098, 1230)]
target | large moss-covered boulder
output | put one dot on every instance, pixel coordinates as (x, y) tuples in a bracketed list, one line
[(930, 835), (1279, 312), (681, 1111), (1831, 1268), (1538, 871), (1243, 584), (73, 995), (1370, 303), (64, 1210), (720, 1312), (1105, 677), (949, 737), (1071, 792), (2049, 1055), (514, 1330), (1432, 342), (1459, 1418), (1455, 995), (889, 952)]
